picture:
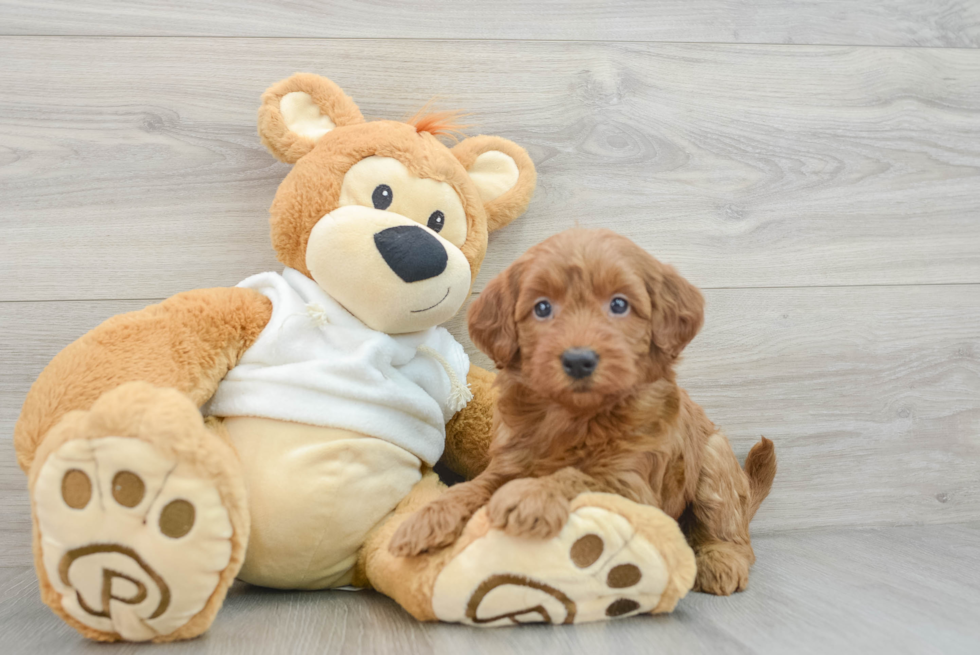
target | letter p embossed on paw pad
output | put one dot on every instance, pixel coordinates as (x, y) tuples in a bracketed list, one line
[(136, 586)]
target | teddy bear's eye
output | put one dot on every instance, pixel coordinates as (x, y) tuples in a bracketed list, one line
[(382, 196), (436, 221)]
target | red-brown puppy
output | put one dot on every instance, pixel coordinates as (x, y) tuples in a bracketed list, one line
[(586, 328)]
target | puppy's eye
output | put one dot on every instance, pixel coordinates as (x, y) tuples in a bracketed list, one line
[(382, 196), (436, 221), (542, 309), (619, 305)]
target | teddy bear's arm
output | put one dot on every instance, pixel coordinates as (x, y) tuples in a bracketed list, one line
[(468, 434), (188, 342)]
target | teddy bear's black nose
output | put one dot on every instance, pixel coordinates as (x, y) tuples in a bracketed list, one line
[(411, 252)]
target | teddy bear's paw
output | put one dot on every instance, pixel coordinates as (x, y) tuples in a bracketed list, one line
[(598, 567), (132, 539)]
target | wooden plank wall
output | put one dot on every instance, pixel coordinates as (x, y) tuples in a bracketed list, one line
[(826, 197), (937, 23)]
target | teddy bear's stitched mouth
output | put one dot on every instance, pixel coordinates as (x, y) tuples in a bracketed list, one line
[(418, 311)]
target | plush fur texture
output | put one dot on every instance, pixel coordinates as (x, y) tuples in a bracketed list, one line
[(410, 580), (627, 428), (312, 188), (177, 352), (468, 434), (446, 123), (167, 420), (285, 145), (500, 211), (188, 343)]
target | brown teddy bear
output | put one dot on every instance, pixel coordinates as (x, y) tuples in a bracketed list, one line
[(279, 431)]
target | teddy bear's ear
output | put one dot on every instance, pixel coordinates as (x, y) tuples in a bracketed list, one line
[(503, 173), (299, 110)]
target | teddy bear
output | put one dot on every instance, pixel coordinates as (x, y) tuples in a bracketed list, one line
[(279, 431)]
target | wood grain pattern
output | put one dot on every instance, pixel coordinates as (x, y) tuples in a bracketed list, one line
[(824, 195), (872, 396), (942, 23), (896, 590), (130, 168)]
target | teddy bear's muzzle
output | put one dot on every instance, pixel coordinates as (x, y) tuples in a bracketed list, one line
[(392, 273)]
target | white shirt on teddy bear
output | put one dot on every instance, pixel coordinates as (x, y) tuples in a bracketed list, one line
[(316, 363)]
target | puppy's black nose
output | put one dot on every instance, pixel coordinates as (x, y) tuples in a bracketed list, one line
[(579, 362), (411, 252)]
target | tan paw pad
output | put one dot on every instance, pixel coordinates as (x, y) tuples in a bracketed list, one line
[(134, 541), (597, 568)]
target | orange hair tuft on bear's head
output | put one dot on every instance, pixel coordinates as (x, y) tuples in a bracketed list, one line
[(439, 123)]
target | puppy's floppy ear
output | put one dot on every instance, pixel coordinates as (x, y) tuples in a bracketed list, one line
[(299, 110), (678, 307), (503, 174), (492, 318)]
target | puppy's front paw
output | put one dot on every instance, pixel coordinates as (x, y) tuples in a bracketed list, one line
[(723, 569), (528, 508), (436, 525)]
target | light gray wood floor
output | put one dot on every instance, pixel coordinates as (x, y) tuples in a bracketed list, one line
[(889, 590), (814, 167)]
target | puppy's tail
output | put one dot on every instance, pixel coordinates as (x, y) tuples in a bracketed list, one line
[(760, 466)]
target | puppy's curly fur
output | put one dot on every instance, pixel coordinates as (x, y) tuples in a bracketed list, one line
[(625, 428)]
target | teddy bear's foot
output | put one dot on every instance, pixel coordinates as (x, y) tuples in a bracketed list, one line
[(613, 558), (133, 533)]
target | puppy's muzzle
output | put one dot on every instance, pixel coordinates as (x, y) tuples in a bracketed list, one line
[(579, 363), (411, 252)]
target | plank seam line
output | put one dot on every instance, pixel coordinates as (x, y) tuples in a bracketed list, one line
[(478, 40), (857, 527), (476, 293)]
